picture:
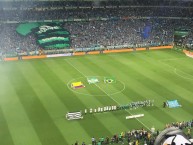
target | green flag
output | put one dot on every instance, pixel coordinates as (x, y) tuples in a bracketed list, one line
[(109, 80)]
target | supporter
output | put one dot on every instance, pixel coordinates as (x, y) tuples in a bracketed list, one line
[(138, 136), (93, 141), (76, 143)]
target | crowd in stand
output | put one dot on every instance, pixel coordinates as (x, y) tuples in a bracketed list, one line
[(124, 26), (106, 33), (92, 3), (140, 136), (50, 14), (181, 125), (133, 137), (11, 41)]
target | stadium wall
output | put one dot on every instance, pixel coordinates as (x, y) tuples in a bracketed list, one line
[(87, 53), (93, 52), (188, 53), (161, 47), (34, 57), (78, 53), (11, 59), (119, 50)]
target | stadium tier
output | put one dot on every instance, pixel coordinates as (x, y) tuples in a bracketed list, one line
[(130, 27)]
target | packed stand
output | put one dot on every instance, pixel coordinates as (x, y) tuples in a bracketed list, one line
[(124, 26), (88, 34), (140, 136), (85, 34), (122, 32), (62, 13), (11, 42)]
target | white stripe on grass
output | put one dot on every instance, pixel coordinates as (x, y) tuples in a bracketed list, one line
[(170, 59), (175, 69), (184, 77), (107, 94)]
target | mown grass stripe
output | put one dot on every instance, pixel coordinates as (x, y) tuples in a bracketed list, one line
[(106, 117), (172, 84), (168, 72), (39, 117), (171, 72), (52, 104), (57, 87), (131, 81), (91, 67), (135, 69), (66, 127), (170, 117), (17, 121), (133, 91), (146, 73), (5, 135)]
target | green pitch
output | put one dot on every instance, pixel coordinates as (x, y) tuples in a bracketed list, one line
[(35, 95)]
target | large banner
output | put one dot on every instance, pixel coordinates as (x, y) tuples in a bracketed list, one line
[(146, 31), (48, 35), (53, 36)]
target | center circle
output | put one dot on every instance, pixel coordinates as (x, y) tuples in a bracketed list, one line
[(101, 88)]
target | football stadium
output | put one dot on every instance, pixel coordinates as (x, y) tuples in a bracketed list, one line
[(96, 72)]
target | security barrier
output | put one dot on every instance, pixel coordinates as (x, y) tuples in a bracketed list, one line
[(118, 50), (33, 57), (93, 52), (11, 59), (161, 47), (78, 53)]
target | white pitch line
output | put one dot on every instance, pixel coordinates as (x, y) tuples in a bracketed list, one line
[(120, 104), (108, 95), (170, 59), (95, 95), (187, 78), (175, 70)]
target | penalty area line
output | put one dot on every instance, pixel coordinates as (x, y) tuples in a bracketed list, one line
[(187, 78), (174, 69), (107, 94)]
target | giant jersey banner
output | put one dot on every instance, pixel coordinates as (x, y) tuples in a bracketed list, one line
[(48, 35), (52, 36)]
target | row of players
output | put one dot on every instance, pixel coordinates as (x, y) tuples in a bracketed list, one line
[(132, 105), (101, 109)]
